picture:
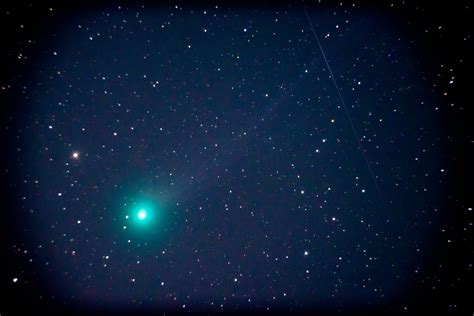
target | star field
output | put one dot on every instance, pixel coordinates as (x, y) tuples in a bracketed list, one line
[(213, 158)]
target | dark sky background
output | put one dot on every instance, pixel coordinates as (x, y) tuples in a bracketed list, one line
[(269, 186)]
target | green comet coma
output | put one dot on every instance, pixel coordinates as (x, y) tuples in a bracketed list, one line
[(142, 214), (143, 218)]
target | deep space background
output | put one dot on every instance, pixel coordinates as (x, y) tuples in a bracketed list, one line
[(269, 186)]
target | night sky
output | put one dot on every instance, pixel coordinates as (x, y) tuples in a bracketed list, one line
[(222, 157)]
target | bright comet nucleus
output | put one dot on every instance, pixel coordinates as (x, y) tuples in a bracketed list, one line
[(142, 214)]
